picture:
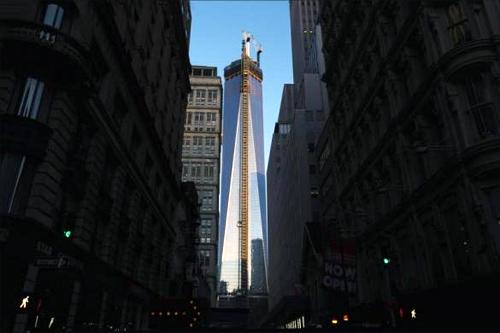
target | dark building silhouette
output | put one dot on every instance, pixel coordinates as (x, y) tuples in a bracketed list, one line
[(409, 160), (291, 172), (95, 223), (258, 281)]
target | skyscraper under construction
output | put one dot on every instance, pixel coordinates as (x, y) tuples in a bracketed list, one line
[(243, 197)]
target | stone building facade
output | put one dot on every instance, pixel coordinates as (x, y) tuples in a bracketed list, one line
[(201, 163), (409, 158), (95, 222)]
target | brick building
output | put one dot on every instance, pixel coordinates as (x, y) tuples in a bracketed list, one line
[(95, 222)]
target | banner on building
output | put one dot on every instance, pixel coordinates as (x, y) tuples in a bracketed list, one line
[(340, 268)]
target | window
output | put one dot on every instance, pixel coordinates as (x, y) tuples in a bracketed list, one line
[(199, 118), (482, 111), (206, 200), (457, 23), (205, 231), (11, 170), (31, 98), (314, 192), (204, 258), (211, 118), (212, 97), (284, 129), (53, 16), (209, 171), (200, 96)]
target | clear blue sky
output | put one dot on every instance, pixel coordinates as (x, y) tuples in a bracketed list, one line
[(216, 41)]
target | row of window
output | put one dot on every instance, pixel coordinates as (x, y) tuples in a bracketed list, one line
[(203, 97), (198, 118), (194, 170), (199, 129), (198, 141), (207, 199), (206, 231)]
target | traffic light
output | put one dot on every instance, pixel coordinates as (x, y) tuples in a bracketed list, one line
[(67, 233), (387, 261)]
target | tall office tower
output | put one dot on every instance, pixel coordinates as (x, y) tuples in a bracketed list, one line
[(291, 172), (409, 159), (243, 197), (201, 160), (303, 17), (258, 283), (92, 207)]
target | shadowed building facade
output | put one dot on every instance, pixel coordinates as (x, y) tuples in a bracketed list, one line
[(95, 222), (409, 159), (292, 167)]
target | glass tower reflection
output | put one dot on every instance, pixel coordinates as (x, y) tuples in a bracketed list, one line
[(231, 183)]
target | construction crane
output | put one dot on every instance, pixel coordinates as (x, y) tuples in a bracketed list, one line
[(243, 224)]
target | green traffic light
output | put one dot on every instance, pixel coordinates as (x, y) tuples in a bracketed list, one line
[(387, 261), (67, 233)]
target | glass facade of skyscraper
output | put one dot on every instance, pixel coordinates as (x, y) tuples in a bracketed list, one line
[(231, 176)]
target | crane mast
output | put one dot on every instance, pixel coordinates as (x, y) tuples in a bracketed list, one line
[(243, 227)]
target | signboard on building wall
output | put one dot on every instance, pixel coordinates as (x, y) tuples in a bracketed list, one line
[(340, 268)]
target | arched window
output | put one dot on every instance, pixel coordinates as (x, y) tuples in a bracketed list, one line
[(457, 23)]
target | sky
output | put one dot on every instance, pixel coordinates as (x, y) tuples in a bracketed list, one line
[(216, 41)]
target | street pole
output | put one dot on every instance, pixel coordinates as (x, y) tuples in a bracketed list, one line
[(389, 296)]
